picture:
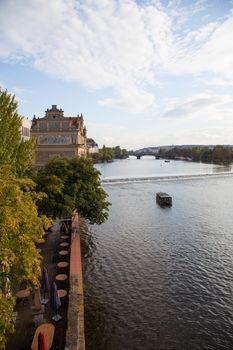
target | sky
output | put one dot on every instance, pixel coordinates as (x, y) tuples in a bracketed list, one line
[(143, 73)]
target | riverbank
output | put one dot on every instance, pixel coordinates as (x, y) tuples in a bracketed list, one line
[(69, 333), (75, 338)]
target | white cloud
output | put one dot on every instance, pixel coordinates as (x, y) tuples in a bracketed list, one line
[(121, 45), (202, 106), (199, 135), (149, 135), (209, 49), (225, 82), (131, 99)]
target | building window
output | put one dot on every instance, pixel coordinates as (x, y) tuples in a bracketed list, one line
[(42, 125), (54, 125), (25, 131), (65, 125)]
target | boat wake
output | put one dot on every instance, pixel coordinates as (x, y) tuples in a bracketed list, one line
[(115, 181)]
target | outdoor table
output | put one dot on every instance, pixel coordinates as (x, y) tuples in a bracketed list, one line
[(47, 329), (64, 244), (63, 264), (23, 294), (63, 252), (61, 293), (61, 277), (64, 237)]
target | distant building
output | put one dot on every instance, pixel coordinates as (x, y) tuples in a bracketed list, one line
[(57, 135), (25, 129), (92, 146)]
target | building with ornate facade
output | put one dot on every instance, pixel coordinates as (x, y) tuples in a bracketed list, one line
[(57, 135)]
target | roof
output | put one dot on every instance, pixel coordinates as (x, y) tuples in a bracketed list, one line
[(163, 194)]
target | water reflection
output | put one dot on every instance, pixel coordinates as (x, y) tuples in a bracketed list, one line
[(223, 168), (150, 167)]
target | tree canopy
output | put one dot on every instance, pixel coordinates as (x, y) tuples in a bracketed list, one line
[(107, 154), (20, 225), (216, 154), (72, 184), (21, 228), (13, 151)]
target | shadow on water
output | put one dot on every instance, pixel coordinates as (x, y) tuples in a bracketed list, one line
[(87, 244), (96, 313)]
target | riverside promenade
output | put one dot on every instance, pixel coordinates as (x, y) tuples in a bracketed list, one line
[(69, 332)]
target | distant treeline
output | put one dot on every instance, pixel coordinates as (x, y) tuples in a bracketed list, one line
[(107, 154), (217, 154)]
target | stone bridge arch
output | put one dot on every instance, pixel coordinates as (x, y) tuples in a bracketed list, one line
[(138, 155)]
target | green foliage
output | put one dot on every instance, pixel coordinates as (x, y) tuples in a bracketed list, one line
[(205, 155), (21, 228), (107, 154), (222, 154), (13, 150), (217, 154), (72, 184), (120, 153), (25, 155), (6, 320)]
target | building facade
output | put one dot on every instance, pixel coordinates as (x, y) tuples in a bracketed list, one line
[(57, 135), (25, 129)]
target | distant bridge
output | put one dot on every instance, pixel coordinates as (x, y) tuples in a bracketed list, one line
[(138, 155)]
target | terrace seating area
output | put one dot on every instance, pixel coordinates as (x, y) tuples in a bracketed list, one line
[(33, 317)]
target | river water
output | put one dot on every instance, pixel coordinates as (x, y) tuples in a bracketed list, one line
[(159, 278)]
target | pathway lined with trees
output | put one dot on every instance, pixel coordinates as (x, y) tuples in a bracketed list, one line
[(29, 199)]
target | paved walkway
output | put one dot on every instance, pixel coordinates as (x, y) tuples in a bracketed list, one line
[(22, 338)]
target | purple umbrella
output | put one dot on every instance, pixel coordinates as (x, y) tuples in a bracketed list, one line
[(55, 302), (44, 284)]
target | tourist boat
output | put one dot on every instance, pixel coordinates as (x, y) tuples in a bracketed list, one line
[(163, 199)]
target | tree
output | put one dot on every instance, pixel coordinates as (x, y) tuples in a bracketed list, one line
[(124, 153), (120, 153), (222, 154), (21, 228), (107, 154), (72, 184), (13, 150), (117, 152)]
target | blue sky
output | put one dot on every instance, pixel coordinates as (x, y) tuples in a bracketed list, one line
[(143, 73)]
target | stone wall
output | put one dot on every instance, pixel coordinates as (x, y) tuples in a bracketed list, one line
[(75, 339)]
